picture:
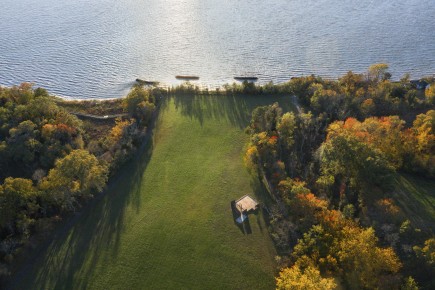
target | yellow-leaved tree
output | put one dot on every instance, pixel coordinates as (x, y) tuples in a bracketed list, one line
[(363, 263), (298, 278), (430, 94)]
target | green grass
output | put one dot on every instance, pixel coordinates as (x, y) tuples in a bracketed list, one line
[(166, 221), (416, 197)]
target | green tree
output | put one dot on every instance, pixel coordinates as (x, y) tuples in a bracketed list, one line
[(286, 127), (351, 83), (289, 188), (409, 284), (18, 202), (265, 119), (140, 104), (299, 87), (308, 135), (315, 244), (77, 175), (23, 142), (329, 102)]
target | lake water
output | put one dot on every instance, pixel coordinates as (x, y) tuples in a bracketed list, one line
[(95, 49)]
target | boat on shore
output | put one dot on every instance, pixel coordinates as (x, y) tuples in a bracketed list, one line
[(148, 83), (249, 79), (182, 77)]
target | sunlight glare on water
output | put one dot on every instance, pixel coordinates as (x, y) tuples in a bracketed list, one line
[(95, 49)]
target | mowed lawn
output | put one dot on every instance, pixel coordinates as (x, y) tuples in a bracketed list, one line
[(166, 222), (416, 197)]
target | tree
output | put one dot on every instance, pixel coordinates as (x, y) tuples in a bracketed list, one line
[(265, 153), (351, 83), (430, 94), (17, 204), (78, 174), (308, 135), (378, 71), (289, 188), (297, 278), (315, 244), (329, 102), (57, 141), (419, 144), (304, 208), (424, 128), (299, 87), (23, 142), (286, 127), (265, 119), (342, 247), (409, 284), (344, 158), (364, 264), (121, 141), (384, 133), (427, 252), (140, 104)]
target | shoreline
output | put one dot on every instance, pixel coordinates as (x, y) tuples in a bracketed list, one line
[(204, 87)]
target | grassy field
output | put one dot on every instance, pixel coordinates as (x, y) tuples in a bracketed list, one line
[(416, 197), (166, 221)]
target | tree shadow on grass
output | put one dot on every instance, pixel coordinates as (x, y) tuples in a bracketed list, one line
[(89, 237), (415, 197), (265, 199), (237, 109)]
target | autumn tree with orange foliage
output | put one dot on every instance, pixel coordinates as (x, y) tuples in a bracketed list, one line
[(304, 209), (384, 133), (347, 158), (347, 145), (342, 248)]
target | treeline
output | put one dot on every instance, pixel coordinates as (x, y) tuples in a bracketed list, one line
[(362, 95), (330, 171), (356, 95), (49, 163)]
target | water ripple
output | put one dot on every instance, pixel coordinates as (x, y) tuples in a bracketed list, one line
[(95, 49)]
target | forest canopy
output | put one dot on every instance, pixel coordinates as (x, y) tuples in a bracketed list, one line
[(332, 170), (51, 164)]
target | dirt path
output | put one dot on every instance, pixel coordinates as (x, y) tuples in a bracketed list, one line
[(295, 101), (96, 117)]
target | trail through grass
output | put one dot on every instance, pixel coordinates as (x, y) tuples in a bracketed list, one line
[(166, 221)]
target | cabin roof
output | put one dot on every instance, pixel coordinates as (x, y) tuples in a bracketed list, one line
[(246, 203)]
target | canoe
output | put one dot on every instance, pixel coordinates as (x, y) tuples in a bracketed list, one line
[(187, 77), (149, 83), (245, 78)]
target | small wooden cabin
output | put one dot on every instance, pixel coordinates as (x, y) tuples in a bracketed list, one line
[(246, 203)]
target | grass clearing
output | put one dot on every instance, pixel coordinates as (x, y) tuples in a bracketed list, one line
[(166, 222), (416, 197)]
